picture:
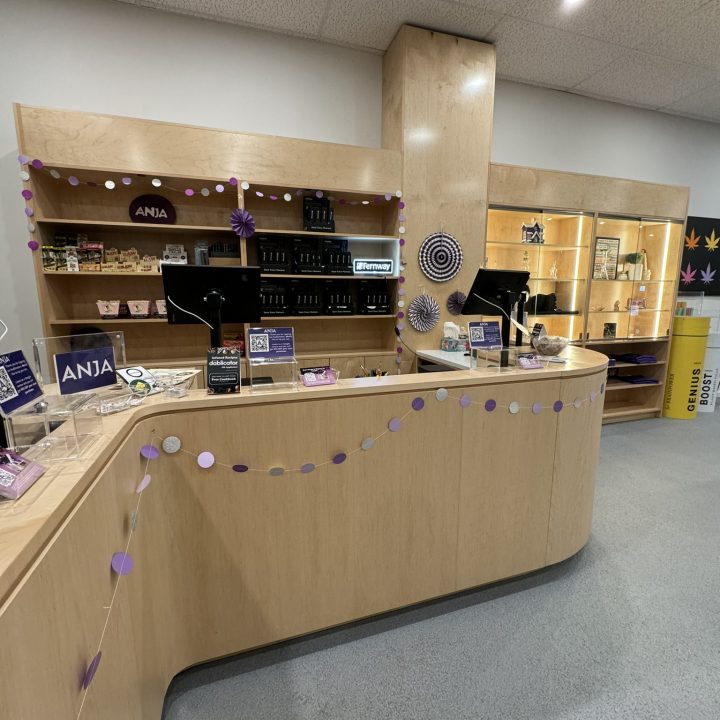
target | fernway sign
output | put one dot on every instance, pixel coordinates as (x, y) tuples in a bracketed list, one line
[(374, 266), (84, 370)]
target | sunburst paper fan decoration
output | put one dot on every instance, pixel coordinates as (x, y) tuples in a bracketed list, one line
[(455, 302), (424, 313), (242, 222), (440, 257)]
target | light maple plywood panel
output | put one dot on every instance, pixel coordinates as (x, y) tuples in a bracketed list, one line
[(108, 142), (437, 102), (516, 186)]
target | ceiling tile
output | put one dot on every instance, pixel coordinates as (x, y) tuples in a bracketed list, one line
[(300, 18), (646, 80), (361, 23), (547, 56), (694, 39), (623, 22), (704, 104)]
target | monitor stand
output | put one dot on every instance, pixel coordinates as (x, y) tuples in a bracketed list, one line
[(215, 300), (507, 305)]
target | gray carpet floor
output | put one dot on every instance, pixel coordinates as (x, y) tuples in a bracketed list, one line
[(629, 628)]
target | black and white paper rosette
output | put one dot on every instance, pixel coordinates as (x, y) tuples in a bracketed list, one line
[(423, 313), (456, 302), (440, 257)]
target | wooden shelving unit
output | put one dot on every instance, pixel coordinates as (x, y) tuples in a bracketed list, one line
[(632, 328), (68, 299)]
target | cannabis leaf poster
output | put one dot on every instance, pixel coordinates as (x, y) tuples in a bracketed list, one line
[(700, 268)]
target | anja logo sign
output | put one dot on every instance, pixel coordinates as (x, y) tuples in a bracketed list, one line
[(83, 370), (152, 209)]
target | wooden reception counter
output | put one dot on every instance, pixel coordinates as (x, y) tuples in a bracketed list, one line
[(480, 476)]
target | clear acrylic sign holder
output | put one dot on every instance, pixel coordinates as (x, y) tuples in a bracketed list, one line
[(266, 374), (486, 358)]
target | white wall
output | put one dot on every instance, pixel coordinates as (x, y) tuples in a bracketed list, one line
[(103, 56)]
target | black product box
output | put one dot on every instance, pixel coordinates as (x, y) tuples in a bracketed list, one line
[(223, 371), (373, 297), (337, 257), (274, 299), (318, 216), (338, 298), (308, 257), (306, 298), (274, 255)]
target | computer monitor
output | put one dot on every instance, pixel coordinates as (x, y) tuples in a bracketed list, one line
[(495, 292), (205, 293)]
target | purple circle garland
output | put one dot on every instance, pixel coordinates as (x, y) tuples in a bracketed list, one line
[(240, 468), (27, 194), (219, 188), (394, 425), (149, 452), (143, 484), (29, 212), (33, 245), (465, 401), (307, 468), (23, 159), (558, 406), (418, 404), (189, 192), (37, 164), (73, 181), (537, 408), (402, 241), (90, 672), (233, 181), (205, 459), (121, 563), (401, 205), (490, 405), (339, 459)]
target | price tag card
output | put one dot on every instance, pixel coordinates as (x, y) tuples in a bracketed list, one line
[(485, 335), (274, 343)]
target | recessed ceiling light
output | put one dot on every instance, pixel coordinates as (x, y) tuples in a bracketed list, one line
[(572, 4)]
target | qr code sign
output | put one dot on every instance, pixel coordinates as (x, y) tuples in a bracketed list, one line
[(477, 334), (7, 389), (259, 343)]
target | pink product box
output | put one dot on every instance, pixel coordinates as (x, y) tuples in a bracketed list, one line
[(318, 376), (17, 474), (108, 308)]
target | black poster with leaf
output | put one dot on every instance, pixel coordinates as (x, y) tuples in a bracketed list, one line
[(700, 269)]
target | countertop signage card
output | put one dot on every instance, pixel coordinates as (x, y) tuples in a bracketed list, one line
[(484, 335), (271, 343), (18, 385), (223, 370), (83, 370)]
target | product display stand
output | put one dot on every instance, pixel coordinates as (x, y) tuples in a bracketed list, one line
[(267, 374)]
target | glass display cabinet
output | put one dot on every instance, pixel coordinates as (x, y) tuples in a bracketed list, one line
[(553, 247)]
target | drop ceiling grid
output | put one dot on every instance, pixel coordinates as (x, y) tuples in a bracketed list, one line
[(658, 55)]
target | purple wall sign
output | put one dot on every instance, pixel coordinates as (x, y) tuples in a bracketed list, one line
[(485, 334), (83, 370), (271, 343), (18, 385)]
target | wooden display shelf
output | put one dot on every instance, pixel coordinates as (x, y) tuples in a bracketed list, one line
[(539, 245), (549, 279), (620, 385), (336, 235), (127, 224), (615, 341), (107, 321), (625, 312), (628, 411), (622, 364), (283, 276), (323, 317), (636, 282), (65, 273)]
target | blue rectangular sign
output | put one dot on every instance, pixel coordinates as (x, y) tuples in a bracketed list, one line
[(18, 385), (273, 343), (485, 335), (83, 370)]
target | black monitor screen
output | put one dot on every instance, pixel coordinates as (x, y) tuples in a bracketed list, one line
[(489, 290), (187, 285)]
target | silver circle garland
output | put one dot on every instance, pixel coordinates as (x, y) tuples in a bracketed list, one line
[(440, 257), (423, 313)]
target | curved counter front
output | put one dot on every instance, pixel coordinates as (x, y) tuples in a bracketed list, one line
[(316, 507)]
